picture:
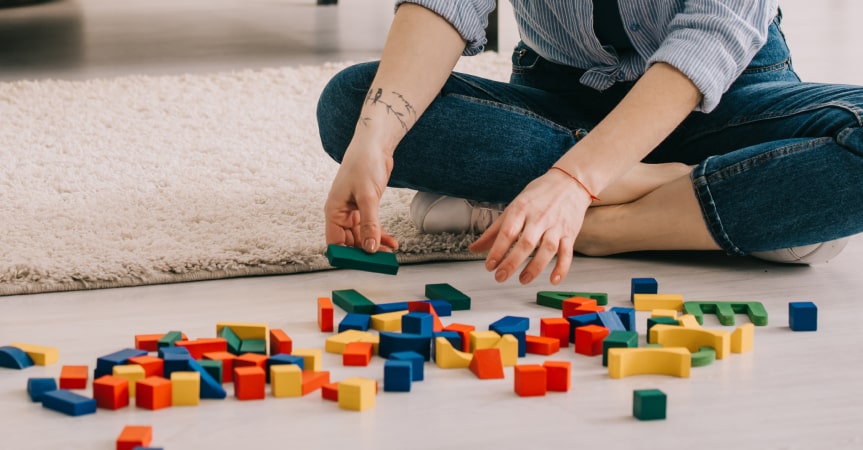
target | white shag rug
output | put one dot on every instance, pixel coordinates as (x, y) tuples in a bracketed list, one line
[(144, 180)]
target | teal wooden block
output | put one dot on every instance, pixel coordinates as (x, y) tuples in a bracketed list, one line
[(353, 302), (213, 368), (355, 258), (234, 342), (554, 299), (444, 291), (169, 338), (649, 404), (618, 339), (258, 346)]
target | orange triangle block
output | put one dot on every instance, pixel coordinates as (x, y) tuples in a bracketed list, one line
[(487, 364)]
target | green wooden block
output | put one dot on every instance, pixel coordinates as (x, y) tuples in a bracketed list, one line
[(258, 346), (648, 404), (353, 302), (703, 357), (554, 299), (725, 311), (354, 258), (169, 339), (212, 367), (651, 321), (443, 291), (618, 339), (234, 341)]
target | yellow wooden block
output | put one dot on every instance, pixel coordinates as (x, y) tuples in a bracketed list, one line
[(337, 342), (688, 321), (185, 388), (245, 331), (131, 372), (311, 358), (391, 321), (357, 394), (623, 362), (508, 346), (447, 357), (41, 355), (483, 339), (649, 302), (692, 338), (670, 313), (286, 380), (743, 337)]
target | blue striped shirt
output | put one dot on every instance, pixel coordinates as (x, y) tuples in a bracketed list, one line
[(710, 41)]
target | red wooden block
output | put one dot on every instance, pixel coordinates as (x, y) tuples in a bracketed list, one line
[(463, 331), (150, 342), (153, 393), (486, 364), (330, 391), (357, 354), (250, 383), (570, 305), (558, 375), (74, 377), (539, 345), (588, 339), (198, 347), (280, 343), (251, 360), (555, 327), (325, 314), (530, 380), (134, 436), (312, 381), (111, 392), (227, 360), (153, 367)]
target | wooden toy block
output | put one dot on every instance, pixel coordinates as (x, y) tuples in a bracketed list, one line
[(649, 302), (312, 381), (357, 394), (453, 337), (428, 308), (105, 364), (558, 377), (286, 380), (743, 338), (483, 339), (153, 393), (352, 301), (397, 376), (74, 377), (618, 339), (355, 321), (444, 291), (555, 299), (515, 326), (486, 364), (611, 321), (198, 347), (249, 383), (688, 321), (388, 321), (725, 311), (692, 338), (251, 360), (258, 346), (581, 321), (131, 372), (648, 404), (643, 286), (134, 436), (555, 327), (111, 392), (227, 360), (185, 389), (703, 357), (419, 323), (213, 368), (14, 358), (624, 362), (442, 308), (39, 354), (337, 343), (588, 339), (664, 313), (68, 402), (168, 339), (384, 308), (283, 359), (652, 321), (312, 358), (148, 342), (508, 346), (244, 330), (281, 343), (357, 259), (571, 306), (152, 366), (539, 345), (531, 380), (37, 387), (416, 360), (357, 354), (175, 362), (325, 314), (234, 341), (802, 316), (626, 316), (403, 342), (330, 392), (464, 331), (446, 357), (210, 387)]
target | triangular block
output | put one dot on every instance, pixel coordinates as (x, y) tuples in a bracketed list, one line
[(486, 364)]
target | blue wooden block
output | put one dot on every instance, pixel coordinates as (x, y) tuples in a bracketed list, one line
[(404, 342), (416, 360), (383, 308), (175, 362), (453, 337), (418, 323), (627, 317), (174, 351), (443, 308), (355, 321), (643, 286), (284, 359), (37, 387), (210, 387), (580, 321), (105, 364), (516, 326), (397, 376), (68, 402), (802, 316), (14, 358), (610, 320)]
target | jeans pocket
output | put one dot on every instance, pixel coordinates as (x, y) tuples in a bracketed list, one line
[(524, 59)]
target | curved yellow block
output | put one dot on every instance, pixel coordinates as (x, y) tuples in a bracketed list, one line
[(688, 321), (624, 362), (692, 338), (743, 337), (447, 357)]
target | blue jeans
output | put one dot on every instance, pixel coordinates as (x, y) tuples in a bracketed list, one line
[(779, 161)]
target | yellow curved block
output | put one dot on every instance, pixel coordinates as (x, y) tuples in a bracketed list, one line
[(391, 321), (447, 357), (688, 321), (624, 362), (664, 313), (743, 337), (692, 338), (649, 302), (508, 346), (41, 355)]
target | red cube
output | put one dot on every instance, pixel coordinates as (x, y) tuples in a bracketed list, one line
[(530, 380), (250, 383), (153, 393), (111, 392), (558, 375), (588, 339)]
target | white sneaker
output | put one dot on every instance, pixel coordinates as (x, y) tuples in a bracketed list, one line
[(435, 213), (806, 254)]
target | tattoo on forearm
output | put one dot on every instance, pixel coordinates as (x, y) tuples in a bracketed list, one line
[(403, 113)]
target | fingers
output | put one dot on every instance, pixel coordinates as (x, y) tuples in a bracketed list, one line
[(564, 260), (370, 227), (546, 250)]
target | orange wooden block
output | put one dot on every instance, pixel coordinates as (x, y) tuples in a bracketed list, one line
[(325, 314), (250, 383), (312, 381), (150, 342), (74, 377), (555, 327), (487, 364), (571, 305), (134, 436), (153, 393), (463, 331), (280, 343), (227, 360), (426, 307), (357, 354), (530, 380), (558, 375), (539, 345), (330, 391), (588, 339), (153, 366), (111, 392), (198, 347), (251, 360)]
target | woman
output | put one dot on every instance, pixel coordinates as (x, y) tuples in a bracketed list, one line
[(686, 119)]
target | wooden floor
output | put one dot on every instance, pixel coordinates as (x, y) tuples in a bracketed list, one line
[(794, 391)]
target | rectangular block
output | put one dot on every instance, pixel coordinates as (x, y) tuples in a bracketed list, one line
[(355, 258), (444, 291), (352, 301)]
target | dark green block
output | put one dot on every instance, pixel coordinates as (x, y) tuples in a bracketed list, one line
[(354, 258), (663, 320), (443, 291), (703, 357), (648, 404), (212, 367), (258, 346), (725, 311), (234, 341), (554, 299), (169, 338), (618, 339), (353, 302)]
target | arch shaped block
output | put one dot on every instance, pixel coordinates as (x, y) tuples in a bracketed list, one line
[(14, 358), (624, 362), (692, 338)]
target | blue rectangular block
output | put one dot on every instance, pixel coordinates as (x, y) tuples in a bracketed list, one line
[(418, 323), (802, 316), (383, 308), (355, 321), (443, 308), (415, 359), (37, 387), (284, 359), (68, 402), (105, 364), (643, 286)]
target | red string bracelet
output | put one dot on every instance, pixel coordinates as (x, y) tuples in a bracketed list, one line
[(592, 197)]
